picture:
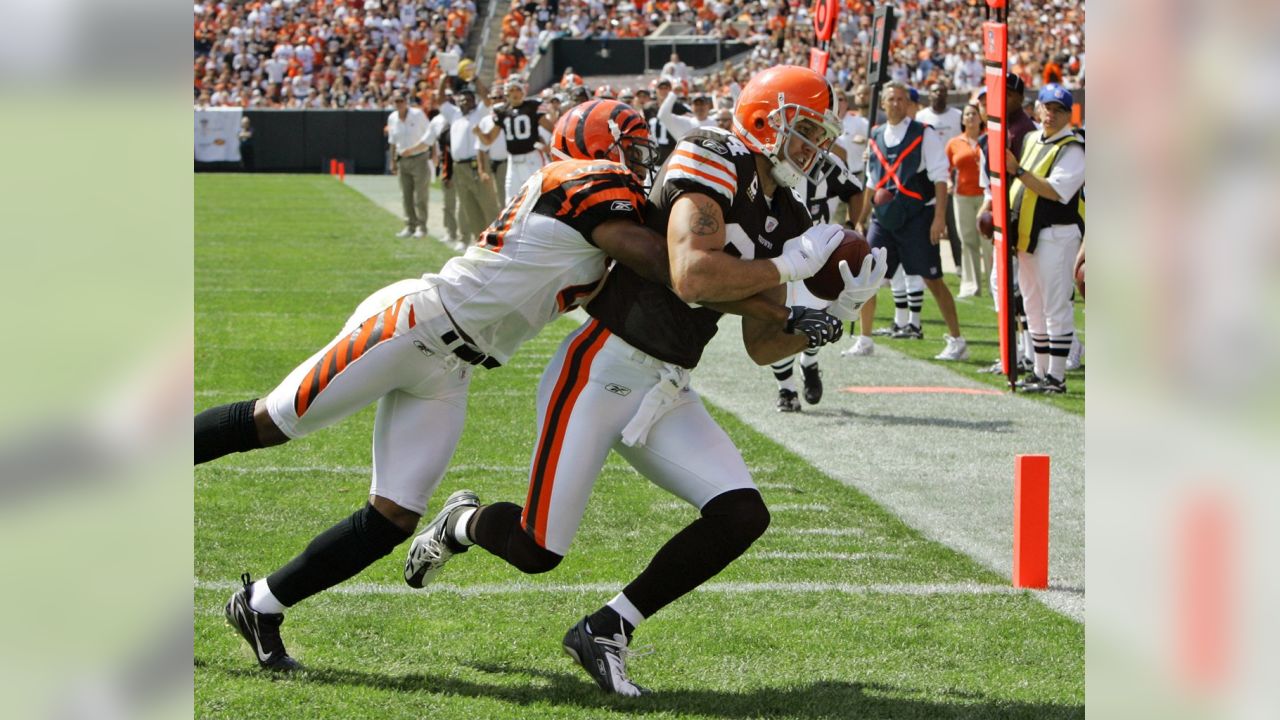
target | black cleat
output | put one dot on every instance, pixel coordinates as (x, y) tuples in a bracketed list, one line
[(788, 401), (1051, 385), (910, 332), (891, 331), (1029, 383), (604, 659), (812, 384), (260, 630)]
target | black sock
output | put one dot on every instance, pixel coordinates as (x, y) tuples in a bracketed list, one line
[(497, 528), (607, 622), (225, 429), (336, 555), (730, 522)]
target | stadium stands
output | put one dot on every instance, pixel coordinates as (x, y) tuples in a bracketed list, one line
[(354, 53)]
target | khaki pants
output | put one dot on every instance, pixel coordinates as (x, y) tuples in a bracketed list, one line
[(415, 177), (975, 250), (477, 201), (450, 208), (500, 183)]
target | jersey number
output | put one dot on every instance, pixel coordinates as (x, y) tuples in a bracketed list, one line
[(518, 127)]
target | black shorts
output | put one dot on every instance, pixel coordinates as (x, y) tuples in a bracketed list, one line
[(909, 245)]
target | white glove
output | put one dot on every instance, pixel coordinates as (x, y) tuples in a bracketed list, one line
[(805, 255), (858, 290)]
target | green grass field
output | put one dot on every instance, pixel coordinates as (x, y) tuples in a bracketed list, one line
[(839, 611)]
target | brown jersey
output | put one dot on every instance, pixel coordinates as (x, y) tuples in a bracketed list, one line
[(711, 162)]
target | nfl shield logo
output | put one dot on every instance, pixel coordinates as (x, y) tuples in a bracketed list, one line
[(770, 224)]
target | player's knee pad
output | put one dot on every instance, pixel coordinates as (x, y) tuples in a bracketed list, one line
[(498, 529), (740, 517)]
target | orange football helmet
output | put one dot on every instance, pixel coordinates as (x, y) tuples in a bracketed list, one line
[(787, 103), (605, 130)]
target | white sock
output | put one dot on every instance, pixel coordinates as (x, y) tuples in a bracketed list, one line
[(626, 610), (788, 384), (459, 528), (807, 360), (914, 318), (1058, 366), (262, 600)]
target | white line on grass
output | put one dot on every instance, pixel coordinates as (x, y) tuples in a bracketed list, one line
[(799, 507), (356, 470), (780, 507), (724, 588), (829, 532), (781, 555)]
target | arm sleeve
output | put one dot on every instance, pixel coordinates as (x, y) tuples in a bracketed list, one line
[(1067, 176), (935, 159), (676, 125), (424, 132), (599, 194), (694, 167)]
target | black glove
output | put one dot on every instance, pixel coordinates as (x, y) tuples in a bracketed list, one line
[(820, 327)]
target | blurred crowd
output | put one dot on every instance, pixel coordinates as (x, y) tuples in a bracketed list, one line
[(324, 53), (356, 53), (938, 40)]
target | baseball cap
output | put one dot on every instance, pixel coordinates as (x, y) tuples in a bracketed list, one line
[(914, 94), (1014, 83), (1055, 93), (982, 92)]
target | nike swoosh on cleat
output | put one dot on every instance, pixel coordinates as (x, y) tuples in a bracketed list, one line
[(263, 655)]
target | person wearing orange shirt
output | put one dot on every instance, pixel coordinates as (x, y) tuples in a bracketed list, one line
[(416, 50), (963, 155)]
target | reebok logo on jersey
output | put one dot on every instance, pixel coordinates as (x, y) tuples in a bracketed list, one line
[(715, 147), (769, 246), (770, 224), (617, 389), (423, 348), (622, 206)]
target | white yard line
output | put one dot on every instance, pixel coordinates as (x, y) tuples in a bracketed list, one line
[(724, 588)]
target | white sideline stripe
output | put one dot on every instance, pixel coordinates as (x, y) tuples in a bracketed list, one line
[(780, 555), (222, 393), (723, 588), (781, 507), (356, 470), (830, 532), (799, 507)]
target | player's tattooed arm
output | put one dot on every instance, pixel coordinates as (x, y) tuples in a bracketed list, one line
[(701, 270), (706, 217)]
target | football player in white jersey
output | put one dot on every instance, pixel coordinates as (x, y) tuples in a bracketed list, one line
[(621, 381), (410, 347)]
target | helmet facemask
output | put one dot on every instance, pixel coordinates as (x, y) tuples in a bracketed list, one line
[(815, 131), (639, 152)]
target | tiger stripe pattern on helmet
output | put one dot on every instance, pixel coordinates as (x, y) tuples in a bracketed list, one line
[(594, 130)]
